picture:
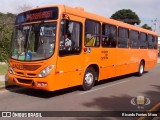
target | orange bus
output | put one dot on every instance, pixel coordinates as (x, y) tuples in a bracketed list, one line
[(56, 47)]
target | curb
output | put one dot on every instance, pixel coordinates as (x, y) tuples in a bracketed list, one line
[(8, 87), (153, 109), (2, 87)]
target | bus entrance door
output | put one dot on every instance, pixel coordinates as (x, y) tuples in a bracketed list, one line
[(68, 71)]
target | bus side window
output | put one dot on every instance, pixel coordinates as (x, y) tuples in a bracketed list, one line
[(152, 43), (109, 36), (70, 38), (92, 33), (143, 41), (134, 38), (123, 35), (155, 39)]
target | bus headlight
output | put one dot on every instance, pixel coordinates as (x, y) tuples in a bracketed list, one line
[(10, 69), (46, 71)]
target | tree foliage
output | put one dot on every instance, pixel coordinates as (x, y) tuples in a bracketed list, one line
[(6, 28), (145, 26), (127, 16)]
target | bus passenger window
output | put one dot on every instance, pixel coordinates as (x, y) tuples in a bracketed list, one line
[(109, 34), (155, 40), (152, 43), (123, 38), (70, 38), (143, 40), (134, 37), (92, 33)]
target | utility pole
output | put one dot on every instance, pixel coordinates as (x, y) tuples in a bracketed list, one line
[(155, 24)]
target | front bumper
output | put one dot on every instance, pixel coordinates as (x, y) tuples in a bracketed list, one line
[(45, 83)]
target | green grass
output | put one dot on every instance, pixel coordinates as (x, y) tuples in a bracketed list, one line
[(2, 83), (3, 69)]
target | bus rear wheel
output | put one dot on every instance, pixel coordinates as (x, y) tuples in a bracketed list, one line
[(89, 78), (141, 68)]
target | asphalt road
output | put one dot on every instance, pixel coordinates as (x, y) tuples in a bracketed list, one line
[(112, 94)]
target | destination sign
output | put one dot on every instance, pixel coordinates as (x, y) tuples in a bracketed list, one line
[(38, 15)]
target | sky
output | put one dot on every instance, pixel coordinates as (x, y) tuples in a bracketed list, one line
[(147, 10)]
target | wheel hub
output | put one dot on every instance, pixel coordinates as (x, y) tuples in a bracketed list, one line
[(141, 69), (89, 78)]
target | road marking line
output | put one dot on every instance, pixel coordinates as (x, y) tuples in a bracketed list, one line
[(103, 87)]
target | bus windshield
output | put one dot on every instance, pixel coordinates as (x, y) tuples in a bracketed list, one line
[(33, 41)]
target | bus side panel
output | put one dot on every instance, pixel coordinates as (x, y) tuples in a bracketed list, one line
[(122, 63), (67, 79), (107, 63), (151, 60), (134, 60)]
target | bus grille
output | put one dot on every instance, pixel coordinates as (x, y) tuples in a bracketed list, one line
[(31, 67), (24, 81), (20, 73), (30, 74)]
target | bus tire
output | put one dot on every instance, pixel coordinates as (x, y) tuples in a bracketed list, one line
[(89, 79), (141, 68)]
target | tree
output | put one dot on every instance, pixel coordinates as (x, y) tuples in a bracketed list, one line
[(145, 26), (6, 28), (127, 16), (5, 43)]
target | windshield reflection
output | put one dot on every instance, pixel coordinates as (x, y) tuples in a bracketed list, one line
[(33, 42)]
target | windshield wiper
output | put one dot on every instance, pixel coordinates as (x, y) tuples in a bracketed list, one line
[(27, 36)]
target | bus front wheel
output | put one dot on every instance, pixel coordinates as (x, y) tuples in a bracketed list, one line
[(89, 78), (141, 68)]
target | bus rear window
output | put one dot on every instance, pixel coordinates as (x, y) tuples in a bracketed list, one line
[(38, 15)]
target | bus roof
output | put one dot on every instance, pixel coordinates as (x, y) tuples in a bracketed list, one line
[(78, 11), (88, 15)]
